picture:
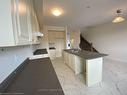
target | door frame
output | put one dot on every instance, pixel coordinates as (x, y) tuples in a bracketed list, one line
[(55, 28)]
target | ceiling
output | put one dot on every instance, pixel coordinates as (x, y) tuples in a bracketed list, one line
[(79, 13)]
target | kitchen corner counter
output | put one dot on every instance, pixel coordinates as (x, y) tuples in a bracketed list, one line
[(85, 54)]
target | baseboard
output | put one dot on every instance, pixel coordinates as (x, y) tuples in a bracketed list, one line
[(4, 85)]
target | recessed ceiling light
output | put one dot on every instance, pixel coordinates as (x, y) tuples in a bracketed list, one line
[(56, 12)]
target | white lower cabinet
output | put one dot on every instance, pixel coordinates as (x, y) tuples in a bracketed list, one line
[(15, 21), (66, 58), (74, 62), (52, 53), (79, 65)]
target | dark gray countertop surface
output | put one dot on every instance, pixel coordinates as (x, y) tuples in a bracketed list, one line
[(85, 54), (37, 78)]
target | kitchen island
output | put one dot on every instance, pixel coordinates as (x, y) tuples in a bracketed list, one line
[(89, 63)]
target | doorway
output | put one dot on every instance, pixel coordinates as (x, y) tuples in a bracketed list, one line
[(59, 46), (57, 41)]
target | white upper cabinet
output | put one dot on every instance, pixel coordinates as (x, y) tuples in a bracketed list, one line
[(6, 27), (22, 9), (34, 26), (18, 22)]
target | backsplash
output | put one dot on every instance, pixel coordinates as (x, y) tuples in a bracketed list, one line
[(12, 57)]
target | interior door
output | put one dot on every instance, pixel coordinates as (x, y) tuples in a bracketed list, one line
[(59, 47)]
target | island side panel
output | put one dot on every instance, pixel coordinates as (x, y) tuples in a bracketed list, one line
[(94, 71)]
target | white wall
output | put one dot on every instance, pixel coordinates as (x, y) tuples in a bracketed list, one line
[(110, 39), (75, 38), (12, 57), (67, 38)]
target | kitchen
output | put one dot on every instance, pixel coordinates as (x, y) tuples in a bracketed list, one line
[(62, 48)]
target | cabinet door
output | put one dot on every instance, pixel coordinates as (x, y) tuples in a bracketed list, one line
[(22, 21), (6, 29), (51, 36), (79, 65), (36, 26), (34, 23)]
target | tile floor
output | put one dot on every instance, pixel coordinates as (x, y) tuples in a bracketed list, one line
[(114, 79)]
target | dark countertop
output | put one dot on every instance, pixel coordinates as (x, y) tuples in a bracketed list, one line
[(40, 51), (37, 78), (85, 54)]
